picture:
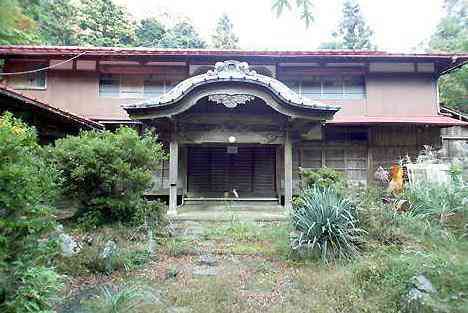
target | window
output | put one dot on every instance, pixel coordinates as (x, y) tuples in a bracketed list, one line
[(36, 80), (354, 87), (330, 87), (109, 85), (133, 86), (154, 86)]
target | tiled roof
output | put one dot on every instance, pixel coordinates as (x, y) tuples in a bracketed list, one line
[(116, 51), (5, 90), (437, 120)]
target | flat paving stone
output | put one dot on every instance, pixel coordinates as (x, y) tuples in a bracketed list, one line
[(178, 309), (204, 270), (208, 260)]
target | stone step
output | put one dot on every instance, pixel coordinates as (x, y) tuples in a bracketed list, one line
[(270, 204), (271, 215)]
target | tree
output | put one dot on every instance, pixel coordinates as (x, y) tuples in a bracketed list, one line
[(183, 35), (224, 38), (15, 26), (105, 24), (149, 33), (58, 23), (353, 31), (451, 35), (305, 7)]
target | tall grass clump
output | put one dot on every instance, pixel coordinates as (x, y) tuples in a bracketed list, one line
[(325, 225), (436, 200), (124, 299)]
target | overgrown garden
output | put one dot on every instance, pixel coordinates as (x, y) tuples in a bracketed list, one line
[(74, 220)]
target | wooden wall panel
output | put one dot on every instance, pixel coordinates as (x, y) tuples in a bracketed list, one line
[(348, 159), (264, 178)]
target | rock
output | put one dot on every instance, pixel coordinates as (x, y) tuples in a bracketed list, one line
[(208, 260), (204, 270), (68, 245), (422, 297), (423, 284)]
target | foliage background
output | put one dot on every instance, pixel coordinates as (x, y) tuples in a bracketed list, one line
[(28, 188)]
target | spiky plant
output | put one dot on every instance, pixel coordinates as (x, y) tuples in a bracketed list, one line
[(325, 224), (124, 299)]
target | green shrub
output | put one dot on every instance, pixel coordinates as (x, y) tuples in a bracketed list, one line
[(325, 223), (108, 172), (39, 287), (28, 186), (151, 213), (323, 178)]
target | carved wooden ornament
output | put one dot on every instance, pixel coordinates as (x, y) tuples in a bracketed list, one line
[(230, 101)]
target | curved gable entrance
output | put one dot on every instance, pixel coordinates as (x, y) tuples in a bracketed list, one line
[(230, 133), (231, 83)]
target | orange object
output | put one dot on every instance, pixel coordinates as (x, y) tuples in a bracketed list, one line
[(396, 179)]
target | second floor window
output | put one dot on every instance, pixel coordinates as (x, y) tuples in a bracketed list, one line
[(330, 87), (36, 80), (133, 86), (109, 85), (154, 86)]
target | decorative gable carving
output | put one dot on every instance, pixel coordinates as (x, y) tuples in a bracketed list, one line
[(230, 101)]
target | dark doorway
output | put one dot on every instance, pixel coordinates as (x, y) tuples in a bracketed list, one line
[(214, 171)]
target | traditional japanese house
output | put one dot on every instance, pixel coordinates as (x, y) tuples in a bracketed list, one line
[(238, 125)]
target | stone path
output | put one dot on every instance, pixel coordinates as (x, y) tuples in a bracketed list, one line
[(223, 216), (250, 274)]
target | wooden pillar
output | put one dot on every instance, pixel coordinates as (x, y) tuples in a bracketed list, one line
[(173, 173), (278, 171), (288, 171), (370, 158)]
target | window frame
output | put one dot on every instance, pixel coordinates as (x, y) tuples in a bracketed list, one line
[(167, 84), (26, 87), (324, 95)]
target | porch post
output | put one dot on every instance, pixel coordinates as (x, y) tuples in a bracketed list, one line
[(173, 174), (288, 181)]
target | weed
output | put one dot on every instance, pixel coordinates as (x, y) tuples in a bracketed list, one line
[(179, 247), (124, 299)]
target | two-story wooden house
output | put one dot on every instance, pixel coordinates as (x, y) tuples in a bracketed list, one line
[(239, 124)]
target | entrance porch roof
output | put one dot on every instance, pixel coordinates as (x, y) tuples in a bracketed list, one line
[(230, 83)]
